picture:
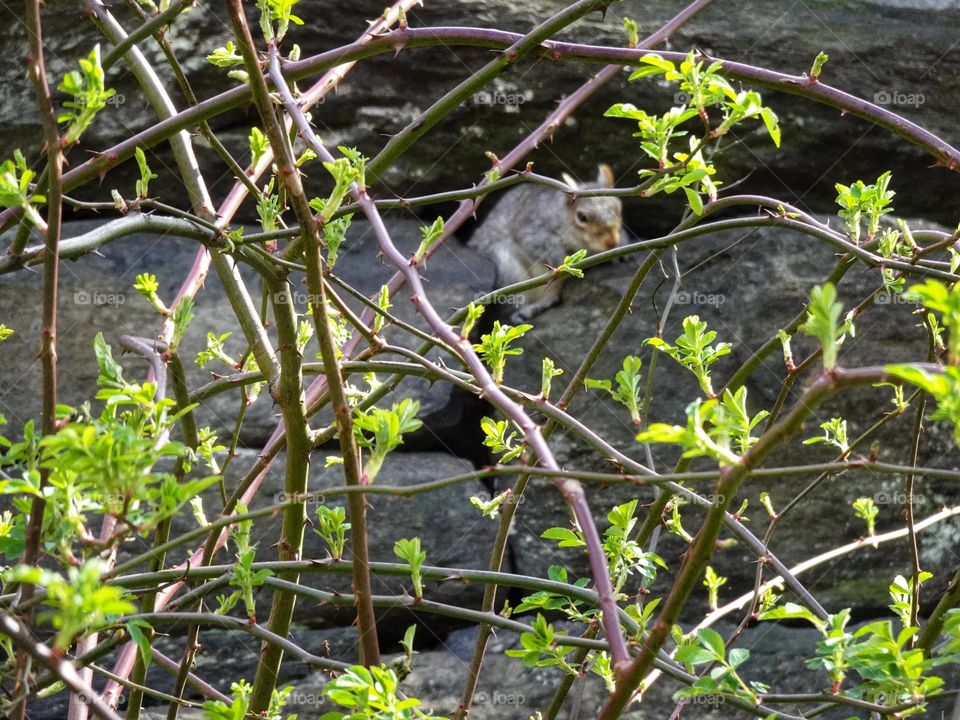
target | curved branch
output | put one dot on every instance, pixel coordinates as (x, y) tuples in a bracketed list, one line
[(944, 153), (62, 669), (825, 386)]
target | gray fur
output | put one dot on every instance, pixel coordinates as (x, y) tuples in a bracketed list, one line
[(533, 228)]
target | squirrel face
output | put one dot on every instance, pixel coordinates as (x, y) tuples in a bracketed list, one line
[(532, 228), (594, 221)]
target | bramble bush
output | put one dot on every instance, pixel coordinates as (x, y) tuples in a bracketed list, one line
[(82, 480)]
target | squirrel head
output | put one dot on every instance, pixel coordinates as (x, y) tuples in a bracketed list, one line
[(594, 221)]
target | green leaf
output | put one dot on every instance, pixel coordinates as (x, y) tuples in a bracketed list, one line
[(937, 298), (409, 550), (491, 508), (818, 63), (834, 433), (136, 630), (279, 11), (772, 124), (738, 656), (712, 640), (15, 179), (633, 33), (657, 63), (693, 655), (259, 144), (696, 203), (431, 234), (629, 392), (332, 527), (662, 433), (567, 266), (943, 386), (693, 350), (791, 611), (143, 184), (564, 537), (382, 431), (859, 201), (501, 439), (90, 95), (225, 56), (823, 322), (626, 110), (547, 373), (111, 374), (80, 601), (494, 347)]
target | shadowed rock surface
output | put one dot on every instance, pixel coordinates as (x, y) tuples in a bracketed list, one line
[(897, 52), (755, 282)]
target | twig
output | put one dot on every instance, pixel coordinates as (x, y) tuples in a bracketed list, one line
[(58, 666), (36, 69)]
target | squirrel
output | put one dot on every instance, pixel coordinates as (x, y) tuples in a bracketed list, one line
[(530, 230), (533, 228)]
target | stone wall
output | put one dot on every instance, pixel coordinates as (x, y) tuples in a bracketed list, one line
[(756, 280), (899, 51)]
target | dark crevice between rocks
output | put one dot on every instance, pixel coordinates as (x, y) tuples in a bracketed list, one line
[(455, 427)]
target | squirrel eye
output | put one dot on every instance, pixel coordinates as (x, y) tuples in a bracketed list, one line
[(582, 217)]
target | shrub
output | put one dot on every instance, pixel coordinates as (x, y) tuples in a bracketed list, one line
[(84, 479)]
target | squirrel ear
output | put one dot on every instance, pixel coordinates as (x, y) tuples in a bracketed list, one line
[(605, 176), (569, 181)]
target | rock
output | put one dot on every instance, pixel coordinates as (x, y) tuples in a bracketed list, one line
[(744, 284), (225, 657), (507, 689), (755, 283), (733, 293), (384, 93), (97, 295), (449, 527)]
